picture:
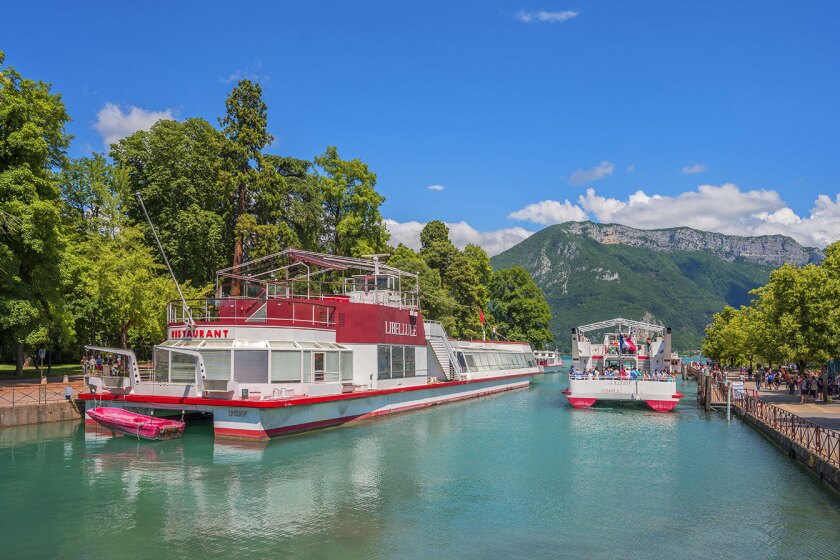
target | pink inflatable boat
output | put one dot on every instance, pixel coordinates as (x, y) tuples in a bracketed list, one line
[(139, 425)]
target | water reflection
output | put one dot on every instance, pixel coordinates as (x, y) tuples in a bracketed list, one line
[(519, 474)]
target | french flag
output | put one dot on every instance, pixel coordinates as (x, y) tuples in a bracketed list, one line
[(626, 345)]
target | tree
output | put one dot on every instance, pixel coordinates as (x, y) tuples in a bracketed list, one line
[(462, 282), (352, 224), (435, 302), (33, 143), (186, 185), (245, 125), (480, 262), (519, 307), (435, 246)]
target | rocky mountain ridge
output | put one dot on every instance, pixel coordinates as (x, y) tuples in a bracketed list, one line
[(774, 250)]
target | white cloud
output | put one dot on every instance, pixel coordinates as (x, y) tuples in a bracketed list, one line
[(461, 234), (543, 16), (582, 176), (693, 169), (435, 187), (112, 124), (550, 212), (630, 168), (252, 72), (723, 209)]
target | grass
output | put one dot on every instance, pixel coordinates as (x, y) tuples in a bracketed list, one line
[(7, 371)]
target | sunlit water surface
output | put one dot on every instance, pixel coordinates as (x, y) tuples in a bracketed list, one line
[(516, 475)]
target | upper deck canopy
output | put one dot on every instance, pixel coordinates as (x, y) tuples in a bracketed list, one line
[(295, 264), (295, 273), (627, 323)]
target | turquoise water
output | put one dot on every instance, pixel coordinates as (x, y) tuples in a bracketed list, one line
[(516, 475)]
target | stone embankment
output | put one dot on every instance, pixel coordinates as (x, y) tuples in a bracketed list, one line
[(27, 402)]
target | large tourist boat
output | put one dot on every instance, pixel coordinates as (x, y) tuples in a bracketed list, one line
[(550, 360), (622, 360), (311, 340)]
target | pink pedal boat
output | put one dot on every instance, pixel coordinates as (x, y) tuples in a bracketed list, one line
[(133, 424)]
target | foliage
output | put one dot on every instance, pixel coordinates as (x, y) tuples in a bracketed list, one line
[(795, 317), (186, 185), (519, 307), (352, 224), (32, 148)]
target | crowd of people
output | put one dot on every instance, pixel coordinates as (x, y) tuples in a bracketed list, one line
[(101, 364), (810, 386), (631, 374)]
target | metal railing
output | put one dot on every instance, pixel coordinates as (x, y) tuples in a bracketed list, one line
[(253, 310), (34, 394), (823, 442), (581, 376)]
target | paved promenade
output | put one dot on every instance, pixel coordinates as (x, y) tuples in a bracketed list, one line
[(822, 414)]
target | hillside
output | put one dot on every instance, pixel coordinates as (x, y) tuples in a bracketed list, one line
[(591, 272)]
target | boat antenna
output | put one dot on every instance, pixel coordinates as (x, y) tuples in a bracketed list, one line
[(376, 260), (188, 319)]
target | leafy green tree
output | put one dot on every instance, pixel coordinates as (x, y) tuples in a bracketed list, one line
[(480, 262), (88, 190), (462, 282), (186, 186), (519, 307), (352, 224), (33, 143), (435, 302), (245, 125), (435, 246)]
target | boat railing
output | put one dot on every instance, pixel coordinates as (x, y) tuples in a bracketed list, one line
[(253, 310), (582, 376)]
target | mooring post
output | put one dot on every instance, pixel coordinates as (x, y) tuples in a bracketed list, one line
[(707, 390), (728, 400)]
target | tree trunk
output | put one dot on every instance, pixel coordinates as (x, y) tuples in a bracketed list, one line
[(236, 288), (19, 360), (124, 335)]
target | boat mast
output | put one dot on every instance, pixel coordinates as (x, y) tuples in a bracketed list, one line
[(188, 319)]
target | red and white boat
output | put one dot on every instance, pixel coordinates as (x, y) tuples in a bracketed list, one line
[(550, 360), (622, 360), (318, 340), (133, 424)]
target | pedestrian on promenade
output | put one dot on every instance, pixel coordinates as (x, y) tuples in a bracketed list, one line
[(758, 380), (803, 389)]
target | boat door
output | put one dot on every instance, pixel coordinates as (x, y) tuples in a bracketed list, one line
[(318, 361)]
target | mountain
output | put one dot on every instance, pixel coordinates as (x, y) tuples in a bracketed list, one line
[(681, 276)]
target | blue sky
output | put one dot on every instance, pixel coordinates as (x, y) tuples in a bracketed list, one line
[(723, 114)]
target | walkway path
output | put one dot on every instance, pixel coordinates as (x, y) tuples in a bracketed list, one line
[(822, 414)]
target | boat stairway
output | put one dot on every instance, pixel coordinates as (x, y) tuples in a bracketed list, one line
[(439, 341)]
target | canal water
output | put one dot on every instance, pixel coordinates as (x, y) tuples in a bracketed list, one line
[(516, 475)]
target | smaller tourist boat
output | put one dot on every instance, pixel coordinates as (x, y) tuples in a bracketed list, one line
[(623, 360), (550, 360), (133, 424)]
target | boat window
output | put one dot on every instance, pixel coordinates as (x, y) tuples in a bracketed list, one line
[(285, 366), (318, 367), (182, 368), (161, 366), (346, 366), (250, 366), (470, 361), (410, 368), (397, 367), (384, 362), (331, 366), (216, 364)]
